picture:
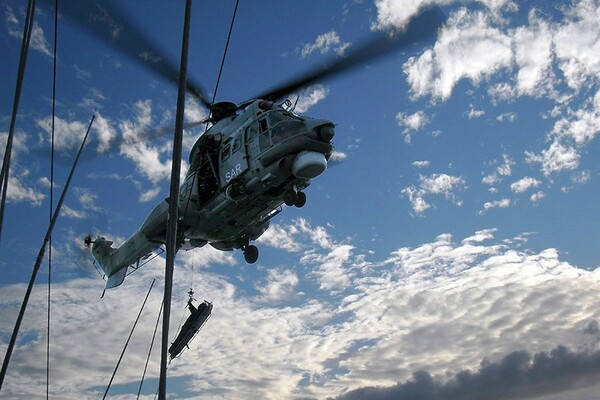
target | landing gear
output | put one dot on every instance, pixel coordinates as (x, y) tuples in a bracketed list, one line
[(300, 199), (250, 253), (292, 198)]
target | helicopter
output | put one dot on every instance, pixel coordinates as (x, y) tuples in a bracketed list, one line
[(242, 170), (256, 157)]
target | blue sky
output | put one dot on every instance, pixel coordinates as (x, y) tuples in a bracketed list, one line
[(455, 239)]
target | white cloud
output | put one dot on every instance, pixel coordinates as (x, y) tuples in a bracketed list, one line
[(533, 56), (68, 135), (87, 198), (508, 116), (569, 135), (581, 177), (330, 270), (38, 40), (280, 285), (411, 122), (478, 45), (468, 47), (523, 185), (281, 238), (69, 212), (537, 197), (194, 112), (17, 192), (439, 184), (394, 15), (473, 113), (502, 170), (577, 44), (323, 44), (148, 158), (149, 194), (480, 236), (556, 158), (582, 125), (421, 164), (504, 203), (105, 131), (442, 306), (310, 97), (338, 156)]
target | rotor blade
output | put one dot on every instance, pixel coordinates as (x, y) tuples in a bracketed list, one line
[(107, 22), (97, 147), (420, 28)]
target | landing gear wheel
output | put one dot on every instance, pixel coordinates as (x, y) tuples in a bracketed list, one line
[(289, 198), (300, 199), (251, 254)]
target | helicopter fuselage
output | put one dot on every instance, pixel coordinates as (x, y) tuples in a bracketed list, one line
[(242, 170), (264, 154)]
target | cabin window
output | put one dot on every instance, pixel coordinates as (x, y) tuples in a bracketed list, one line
[(225, 152), (263, 125), (263, 137), (237, 144)]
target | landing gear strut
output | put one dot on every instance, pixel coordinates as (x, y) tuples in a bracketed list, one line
[(250, 253), (292, 198)]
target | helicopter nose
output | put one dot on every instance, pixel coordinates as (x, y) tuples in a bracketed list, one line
[(321, 129), (326, 132)]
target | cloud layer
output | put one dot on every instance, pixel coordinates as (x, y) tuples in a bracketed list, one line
[(440, 307)]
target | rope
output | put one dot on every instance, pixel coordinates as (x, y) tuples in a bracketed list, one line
[(38, 260), (225, 52), (27, 29), (127, 342), (51, 198), (150, 350)]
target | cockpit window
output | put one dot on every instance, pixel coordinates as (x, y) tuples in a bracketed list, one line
[(284, 125)]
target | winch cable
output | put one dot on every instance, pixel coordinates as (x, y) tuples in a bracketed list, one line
[(4, 174), (51, 197), (150, 350), (212, 103), (40, 257), (129, 338), (225, 52)]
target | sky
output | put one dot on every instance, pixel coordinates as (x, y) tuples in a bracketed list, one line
[(450, 252)]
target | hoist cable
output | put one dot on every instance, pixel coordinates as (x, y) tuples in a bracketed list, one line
[(40, 257), (51, 197), (127, 342), (150, 350), (225, 53), (5, 173)]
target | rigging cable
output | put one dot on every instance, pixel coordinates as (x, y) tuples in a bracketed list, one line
[(40, 256), (127, 342), (150, 350), (51, 197), (4, 174)]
